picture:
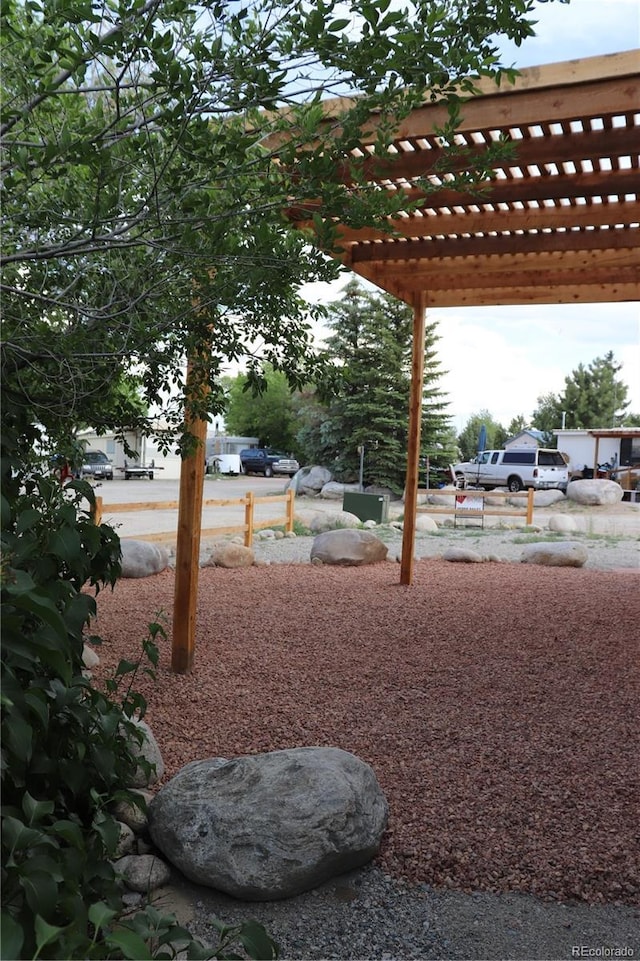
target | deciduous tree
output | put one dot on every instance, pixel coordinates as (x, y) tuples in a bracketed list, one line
[(147, 159), (468, 437), (267, 414)]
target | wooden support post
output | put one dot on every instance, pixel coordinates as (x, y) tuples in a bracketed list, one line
[(413, 452), (248, 519), (188, 543), (291, 509), (97, 514), (595, 457), (530, 507)]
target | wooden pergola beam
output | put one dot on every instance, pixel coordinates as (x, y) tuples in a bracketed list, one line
[(450, 222)]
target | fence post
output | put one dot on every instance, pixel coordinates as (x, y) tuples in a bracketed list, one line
[(248, 519), (97, 512), (290, 509), (530, 507)]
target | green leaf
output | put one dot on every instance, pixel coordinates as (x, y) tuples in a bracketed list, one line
[(27, 519), (70, 832), (11, 937), (45, 933), (100, 914), (19, 738), (41, 893), (257, 942), (35, 810), (131, 944)]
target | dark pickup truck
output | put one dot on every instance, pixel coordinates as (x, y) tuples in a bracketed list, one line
[(265, 460)]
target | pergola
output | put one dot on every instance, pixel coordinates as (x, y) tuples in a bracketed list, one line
[(558, 223)]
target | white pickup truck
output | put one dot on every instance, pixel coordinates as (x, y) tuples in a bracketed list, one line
[(541, 468)]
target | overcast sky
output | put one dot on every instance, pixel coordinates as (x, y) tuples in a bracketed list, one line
[(503, 358)]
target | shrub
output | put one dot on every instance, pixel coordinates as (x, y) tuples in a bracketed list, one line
[(65, 746)]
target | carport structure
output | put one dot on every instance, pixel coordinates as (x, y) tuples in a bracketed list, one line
[(557, 223)]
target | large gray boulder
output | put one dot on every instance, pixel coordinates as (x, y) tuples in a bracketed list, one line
[(558, 554), (594, 492), (444, 499), (272, 825), (140, 559), (309, 480), (350, 548)]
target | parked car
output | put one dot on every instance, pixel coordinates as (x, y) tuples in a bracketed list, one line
[(265, 460), (541, 468), (96, 464)]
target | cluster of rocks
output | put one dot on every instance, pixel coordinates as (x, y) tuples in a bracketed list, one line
[(340, 538), (317, 481), (136, 862)]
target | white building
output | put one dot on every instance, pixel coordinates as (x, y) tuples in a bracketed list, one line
[(615, 448), (525, 439)]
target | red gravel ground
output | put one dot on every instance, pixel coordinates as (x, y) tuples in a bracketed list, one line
[(499, 707)]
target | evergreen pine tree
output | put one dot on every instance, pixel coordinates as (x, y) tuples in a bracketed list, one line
[(594, 396), (370, 350)]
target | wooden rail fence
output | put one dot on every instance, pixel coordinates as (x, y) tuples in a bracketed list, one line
[(249, 502), (460, 497)]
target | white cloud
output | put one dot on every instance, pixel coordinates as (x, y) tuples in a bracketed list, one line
[(503, 359)]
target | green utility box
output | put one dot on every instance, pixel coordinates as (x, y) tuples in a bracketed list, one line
[(368, 507)]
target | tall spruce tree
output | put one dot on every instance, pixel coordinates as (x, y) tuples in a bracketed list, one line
[(367, 403), (593, 396)]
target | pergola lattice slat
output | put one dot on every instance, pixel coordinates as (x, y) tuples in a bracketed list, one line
[(571, 185)]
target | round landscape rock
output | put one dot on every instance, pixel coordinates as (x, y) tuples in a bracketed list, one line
[(231, 556), (140, 559), (270, 826), (426, 524), (558, 554), (350, 548), (595, 492), (336, 491), (562, 523), (147, 751), (309, 480), (332, 520)]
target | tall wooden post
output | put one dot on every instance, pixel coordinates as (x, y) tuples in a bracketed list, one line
[(413, 452), (188, 541)]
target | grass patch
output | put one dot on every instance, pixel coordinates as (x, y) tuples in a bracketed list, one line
[(534, 538)]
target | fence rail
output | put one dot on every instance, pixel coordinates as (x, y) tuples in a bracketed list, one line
[(249, 502), (460, 497)]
